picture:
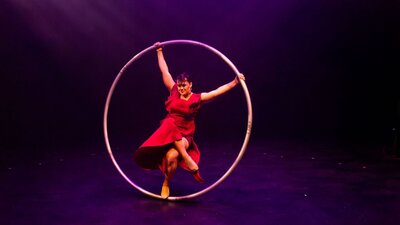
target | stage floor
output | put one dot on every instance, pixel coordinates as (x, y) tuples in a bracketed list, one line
[(276, 182)]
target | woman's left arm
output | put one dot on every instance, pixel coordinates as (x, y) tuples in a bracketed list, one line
[(208, 96)]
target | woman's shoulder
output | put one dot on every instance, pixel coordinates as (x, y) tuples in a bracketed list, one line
[(174, 90), (196, 97)]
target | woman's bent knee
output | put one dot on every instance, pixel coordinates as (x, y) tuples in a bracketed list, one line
[(185, 142), (172, 155)]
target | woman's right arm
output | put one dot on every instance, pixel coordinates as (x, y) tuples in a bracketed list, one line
[(166, 76)]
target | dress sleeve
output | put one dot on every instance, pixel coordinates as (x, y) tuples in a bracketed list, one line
[(197, 103), (174, 91)]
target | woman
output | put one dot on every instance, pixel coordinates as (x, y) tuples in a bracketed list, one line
[(172, 143)]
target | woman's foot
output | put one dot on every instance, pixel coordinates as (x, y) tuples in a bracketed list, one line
[(191, 164), (193, 169), (165, 190)]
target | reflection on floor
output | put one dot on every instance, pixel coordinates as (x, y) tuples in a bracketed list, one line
[(276, 182)]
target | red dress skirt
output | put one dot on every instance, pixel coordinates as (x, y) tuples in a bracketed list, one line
[(179, 122)]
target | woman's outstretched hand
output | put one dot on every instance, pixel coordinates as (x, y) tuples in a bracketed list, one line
[(158, 45), (241, 76)]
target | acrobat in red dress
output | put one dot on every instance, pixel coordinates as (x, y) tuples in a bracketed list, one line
[(179, 122)]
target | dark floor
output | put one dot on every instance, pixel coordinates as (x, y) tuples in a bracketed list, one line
[(276, 182)]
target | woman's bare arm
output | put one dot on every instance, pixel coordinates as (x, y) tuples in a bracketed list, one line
[(208, 96), (166, 75)]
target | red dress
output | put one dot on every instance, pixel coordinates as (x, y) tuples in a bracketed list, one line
[(179, 122)]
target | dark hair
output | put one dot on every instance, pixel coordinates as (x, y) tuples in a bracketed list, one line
[(184, 77)]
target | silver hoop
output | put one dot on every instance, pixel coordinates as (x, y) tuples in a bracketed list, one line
[(245, 142)]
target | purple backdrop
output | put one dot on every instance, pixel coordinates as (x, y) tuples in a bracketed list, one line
[(313, 68)]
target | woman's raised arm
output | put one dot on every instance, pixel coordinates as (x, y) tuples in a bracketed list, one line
[(166, 76), (208, 96)]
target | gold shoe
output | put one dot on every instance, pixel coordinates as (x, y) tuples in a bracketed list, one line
[(165, 191)]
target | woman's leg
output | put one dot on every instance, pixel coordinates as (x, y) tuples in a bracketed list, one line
[(171, 163), (181, 146)]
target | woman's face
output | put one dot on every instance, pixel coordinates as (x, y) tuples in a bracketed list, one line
[(184, 88)]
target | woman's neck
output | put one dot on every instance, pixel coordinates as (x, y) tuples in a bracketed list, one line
[(187, 96)]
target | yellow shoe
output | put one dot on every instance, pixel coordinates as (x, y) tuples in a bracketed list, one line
[(165, 191)]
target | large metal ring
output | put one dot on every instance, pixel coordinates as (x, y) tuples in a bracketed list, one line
[(246, 138)]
